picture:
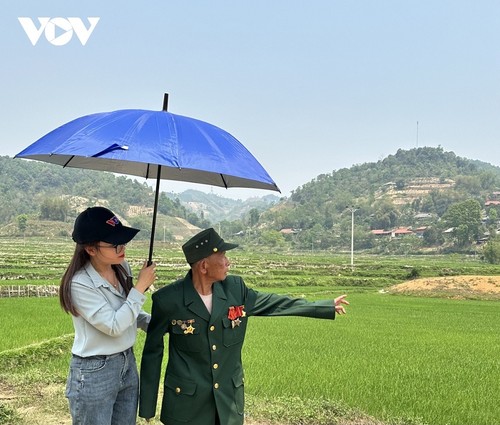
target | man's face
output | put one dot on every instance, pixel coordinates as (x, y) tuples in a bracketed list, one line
[(217, 266)]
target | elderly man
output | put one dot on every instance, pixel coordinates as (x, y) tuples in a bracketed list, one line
[(205, 315)]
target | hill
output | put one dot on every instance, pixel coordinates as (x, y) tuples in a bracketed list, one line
[(47, 194), (412, 188), (216, 208)]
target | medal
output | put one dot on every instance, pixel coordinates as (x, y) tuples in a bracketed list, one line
[(234, 313), (185, 325)]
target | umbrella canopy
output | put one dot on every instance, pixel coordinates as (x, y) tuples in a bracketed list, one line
[(155, 144)]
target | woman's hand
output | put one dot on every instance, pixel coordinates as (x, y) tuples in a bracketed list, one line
[(146, 277)]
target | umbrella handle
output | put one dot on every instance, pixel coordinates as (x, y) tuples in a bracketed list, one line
[(155, 211)]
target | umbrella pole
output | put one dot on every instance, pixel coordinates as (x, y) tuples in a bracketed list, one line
[(157, 195), (155, 210)]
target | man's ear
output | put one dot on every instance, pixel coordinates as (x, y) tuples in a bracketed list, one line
[(204, 266)]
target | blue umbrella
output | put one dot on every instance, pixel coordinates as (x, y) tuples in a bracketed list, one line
[(155, 144)]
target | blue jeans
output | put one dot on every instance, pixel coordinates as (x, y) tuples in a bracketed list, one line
[(103, 390)]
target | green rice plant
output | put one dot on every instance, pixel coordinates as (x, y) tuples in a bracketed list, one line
[(411, 359), (28, 321), (404, 360)]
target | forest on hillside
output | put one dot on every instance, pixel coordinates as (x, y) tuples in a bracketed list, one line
[(48, 192), (441, 201), (453, 201)]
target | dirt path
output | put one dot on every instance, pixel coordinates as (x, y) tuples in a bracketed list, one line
[(47, 406)]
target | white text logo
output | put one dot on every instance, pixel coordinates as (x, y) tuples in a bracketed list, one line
[(58, 31)]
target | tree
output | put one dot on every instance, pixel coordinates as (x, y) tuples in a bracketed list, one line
[(433, 236), (254, 216), (492, 252), (465, 218), (385, 215), (493, 215), (272, 238), (55, 209), (22, 223)]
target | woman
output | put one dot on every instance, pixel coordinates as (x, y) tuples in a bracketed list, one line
[(106, 308)]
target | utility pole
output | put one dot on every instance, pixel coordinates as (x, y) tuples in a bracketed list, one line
[(417, 134), (352, 211)]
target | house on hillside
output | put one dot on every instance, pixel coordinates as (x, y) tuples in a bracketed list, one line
[(381, 232), (401, 231), (419, 231), (422, 216), (495, 196), (289, 231), (395, 233)]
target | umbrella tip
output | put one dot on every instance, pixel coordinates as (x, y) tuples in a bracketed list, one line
[(165, 102)]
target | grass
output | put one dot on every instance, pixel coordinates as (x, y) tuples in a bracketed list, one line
[(412, 358), (31, 320), (400, 359), (403, 360)]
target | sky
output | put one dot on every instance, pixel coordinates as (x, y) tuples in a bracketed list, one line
[(309, 87)]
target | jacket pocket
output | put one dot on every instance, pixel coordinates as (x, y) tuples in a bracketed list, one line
[(178, 399), (233, 334), (239, 392), (186, 341)]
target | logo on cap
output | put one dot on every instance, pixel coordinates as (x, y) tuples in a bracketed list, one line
[(113, 221)]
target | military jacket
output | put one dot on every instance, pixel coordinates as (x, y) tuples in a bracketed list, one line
[(204, 373)]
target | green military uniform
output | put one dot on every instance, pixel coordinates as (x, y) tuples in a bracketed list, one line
[(204, 375)]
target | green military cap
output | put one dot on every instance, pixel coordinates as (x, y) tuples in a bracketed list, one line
[(203, 244)]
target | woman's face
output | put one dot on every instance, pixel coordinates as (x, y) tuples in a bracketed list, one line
[(107, 253)]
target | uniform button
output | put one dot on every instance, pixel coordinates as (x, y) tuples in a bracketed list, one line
[(212, 328), (216, 385), (216, 365), (177, 390), (214, 347)]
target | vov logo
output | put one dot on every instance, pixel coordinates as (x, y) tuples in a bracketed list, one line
[(58, 31)]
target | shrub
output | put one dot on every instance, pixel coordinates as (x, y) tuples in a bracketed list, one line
[(491, 252), (414, 273)]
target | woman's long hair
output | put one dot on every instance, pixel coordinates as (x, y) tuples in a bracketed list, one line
[(79, 260)]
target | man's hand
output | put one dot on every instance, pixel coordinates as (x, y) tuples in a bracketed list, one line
[(339, 308)]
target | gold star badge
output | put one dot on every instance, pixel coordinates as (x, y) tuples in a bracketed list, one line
[(189, 330)]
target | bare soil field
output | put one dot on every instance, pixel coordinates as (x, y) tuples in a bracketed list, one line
[(466, 287)]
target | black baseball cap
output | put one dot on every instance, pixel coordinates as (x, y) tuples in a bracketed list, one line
[(100, 224), (204, 244)]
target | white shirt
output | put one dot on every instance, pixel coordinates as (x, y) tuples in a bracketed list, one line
[(207, 300), (108, 320)]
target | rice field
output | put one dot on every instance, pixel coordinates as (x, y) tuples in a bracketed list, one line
[(432, 360), (409, 359)]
